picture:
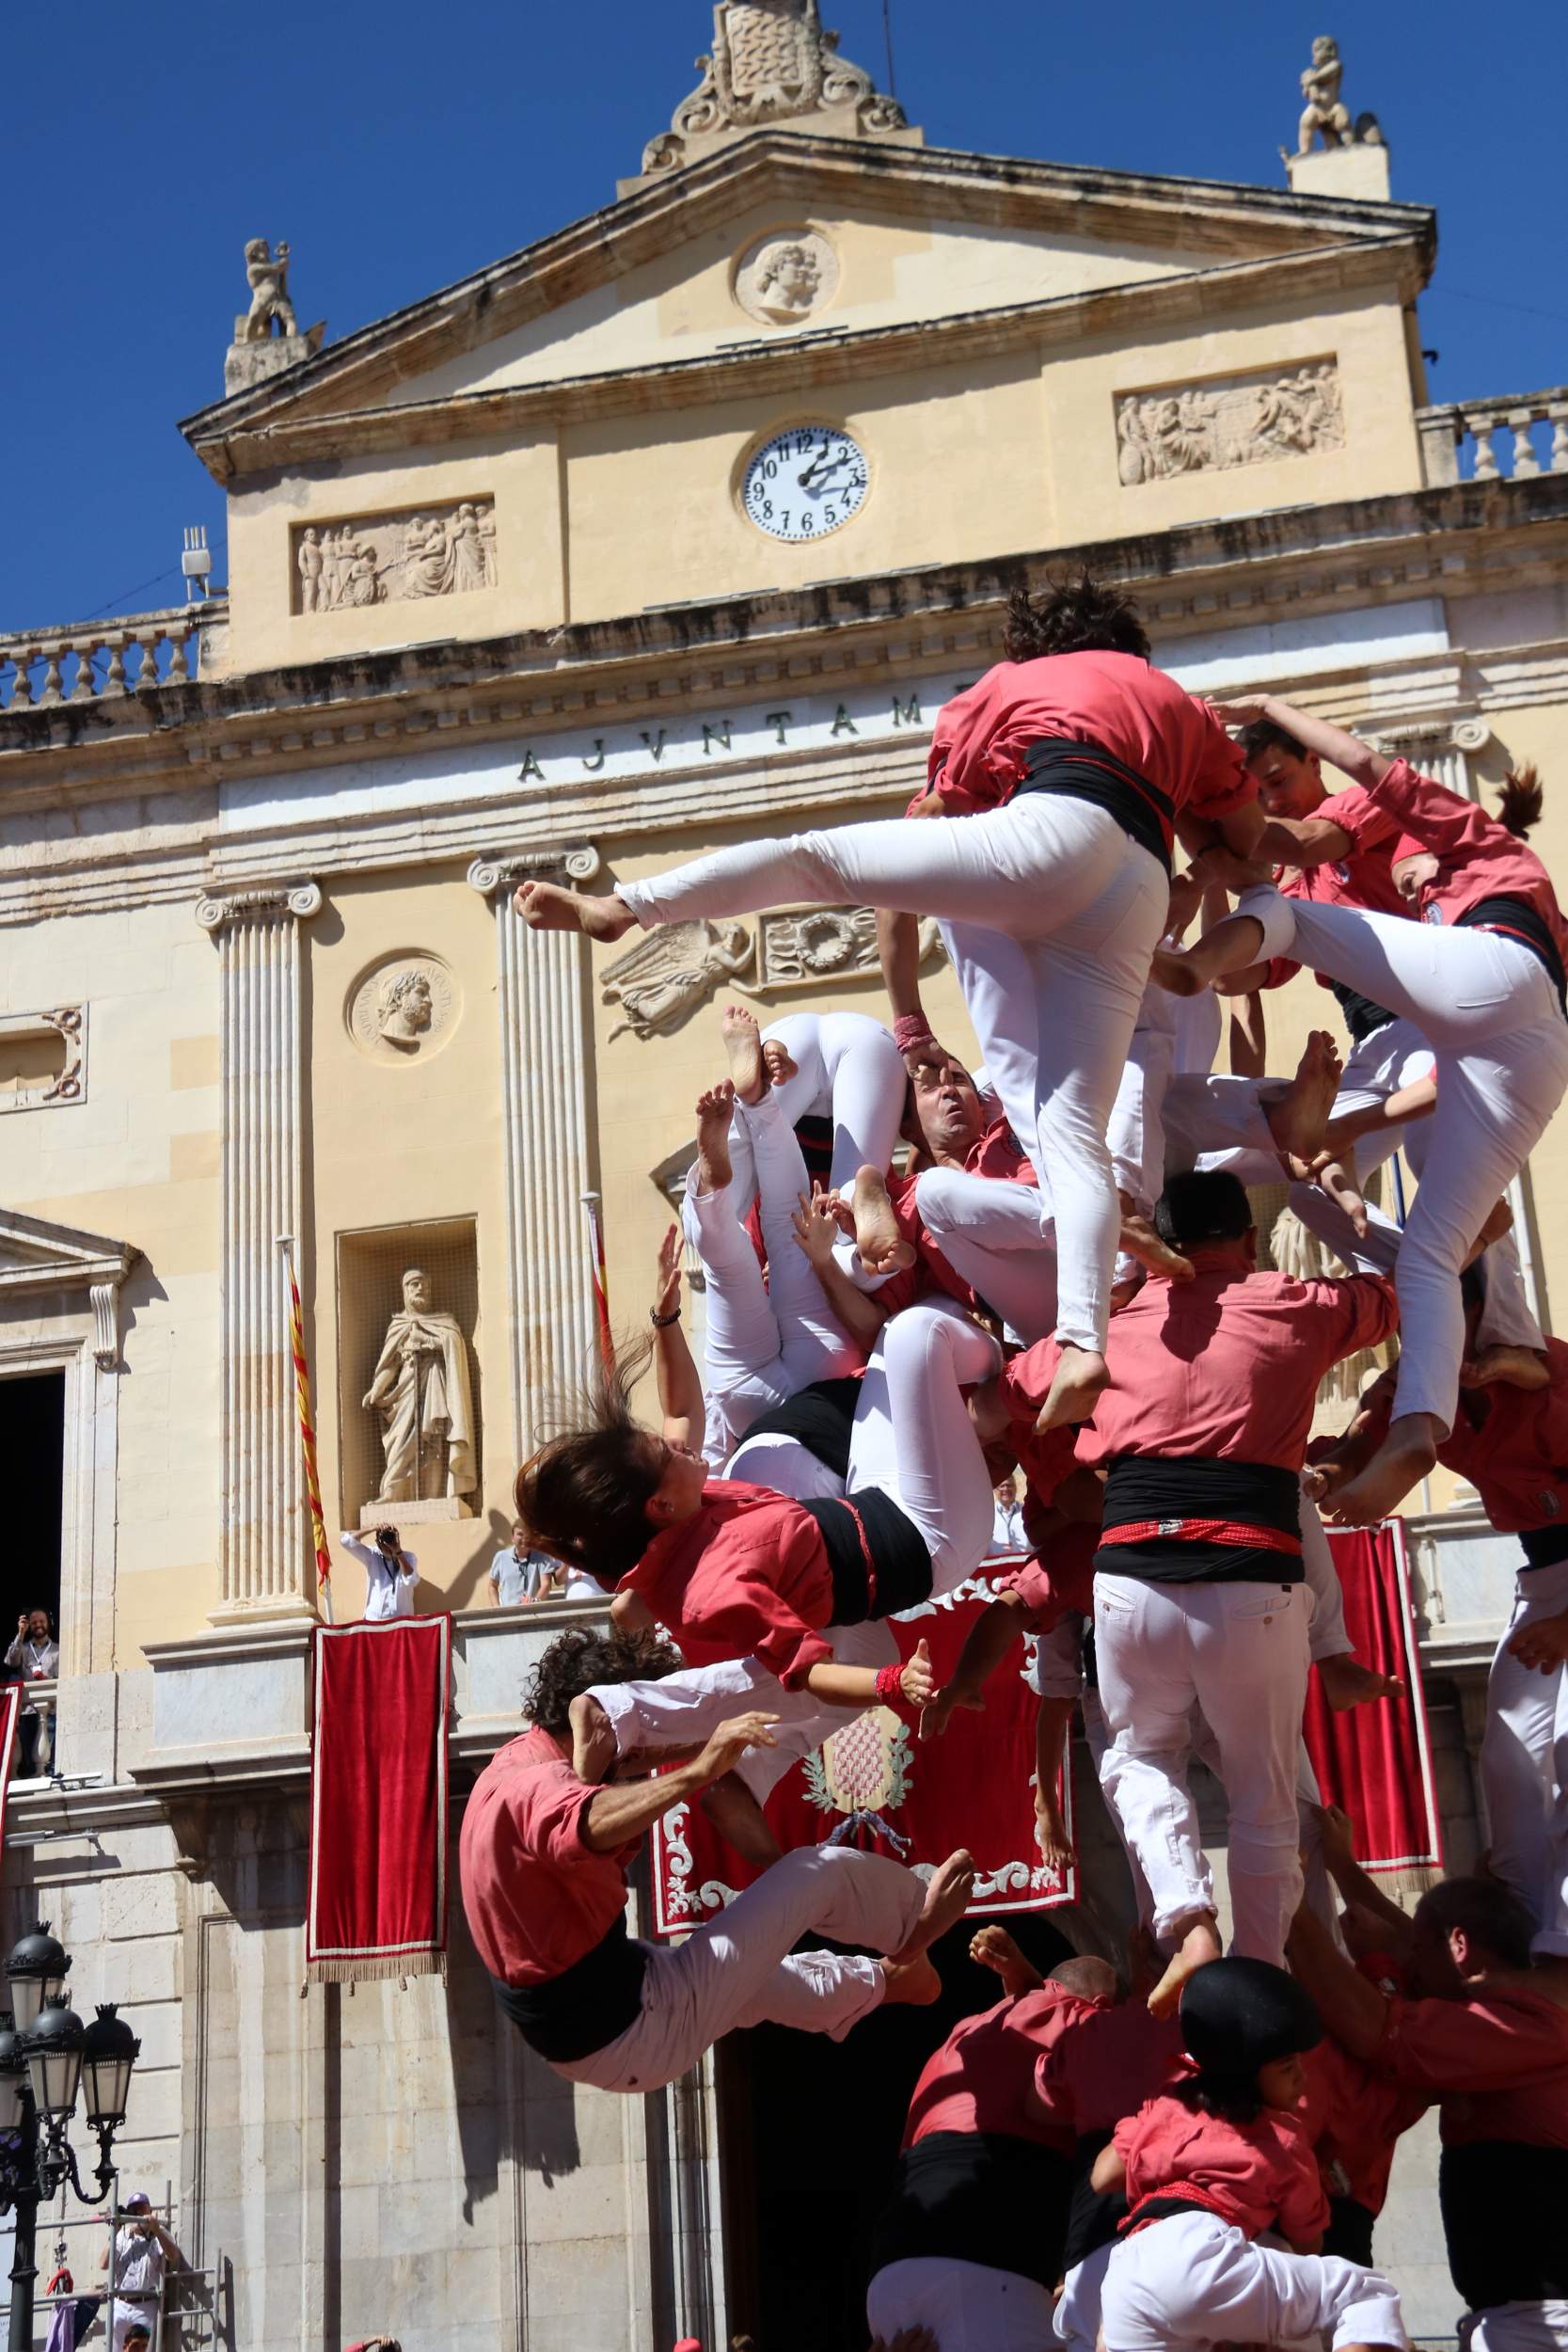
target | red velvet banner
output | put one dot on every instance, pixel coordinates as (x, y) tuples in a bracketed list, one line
[(874, 1784), (10, 1710), (378, 1802), (1375, 1761)]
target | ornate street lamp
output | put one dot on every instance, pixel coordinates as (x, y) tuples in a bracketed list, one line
[(43, 2057)]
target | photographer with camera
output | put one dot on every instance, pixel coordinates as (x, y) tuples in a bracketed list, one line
[(143, 2250), (390, 1573)]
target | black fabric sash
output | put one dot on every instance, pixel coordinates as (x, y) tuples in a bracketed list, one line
[(1143, 1486), (1521, 921), (1094, 2215), (1350, 2230), (1503, 2208), (1086, 771), (1544, 1547), (877, 1559), (1153, 2209), (587, 2007), (1363, 1019), (819, 1418), (977, 2197)]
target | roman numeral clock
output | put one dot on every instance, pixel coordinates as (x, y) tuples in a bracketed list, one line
[(807, 481)]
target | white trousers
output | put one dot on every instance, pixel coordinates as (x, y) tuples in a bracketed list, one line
[(738, 1970), (968, 2307), (1488, 1010), (846, 1067), (1240, 1653), (1516, 2327), (1072, 910), (989, 1230), (1524, 1767), (1195, 2280), (786, 1466)]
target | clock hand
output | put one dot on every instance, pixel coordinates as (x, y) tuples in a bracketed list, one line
[(817, 465)]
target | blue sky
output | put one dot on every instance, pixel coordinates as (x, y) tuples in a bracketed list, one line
[(397, 146)]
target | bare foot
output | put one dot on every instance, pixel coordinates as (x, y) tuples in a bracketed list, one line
[(1140, 1240), (1514, 1367), (1199, 1945), (593, 1738), (713, 1137), (1405, 1457), (910, 1983), (546, 907), (947, 1898), (994, 1948), (743, 1044), (779, 1062), (1348, 1683), (882, 1249), (1298, 1118), (1081, 1378), (1056, 1847), (1172, 970)]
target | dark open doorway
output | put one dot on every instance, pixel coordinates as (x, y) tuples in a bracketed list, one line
[(32, 1434), (811, 2130)]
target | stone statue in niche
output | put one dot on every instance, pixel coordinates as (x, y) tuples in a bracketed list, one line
[(827, 944), (1324, 112), (1212, 427), (786, 277), (422, 1393), (388, 559), (663, 979)]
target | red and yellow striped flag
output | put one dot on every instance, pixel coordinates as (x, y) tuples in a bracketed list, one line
[(306, 1425), (600, 1278)]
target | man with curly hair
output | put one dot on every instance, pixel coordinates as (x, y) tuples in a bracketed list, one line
[(546, 1851)]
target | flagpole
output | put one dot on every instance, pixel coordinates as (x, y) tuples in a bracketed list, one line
[(598, 1276), (306, 1431)]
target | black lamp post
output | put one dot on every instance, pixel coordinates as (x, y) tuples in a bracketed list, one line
[(43, 2057)]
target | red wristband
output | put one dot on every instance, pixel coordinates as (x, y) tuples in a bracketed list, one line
[(911, 1030), (890, 1685)]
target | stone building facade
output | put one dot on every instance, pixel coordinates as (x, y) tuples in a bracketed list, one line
[(231, 833)]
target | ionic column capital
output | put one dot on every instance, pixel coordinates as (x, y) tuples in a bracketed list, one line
[(579, 863), (301, 899)]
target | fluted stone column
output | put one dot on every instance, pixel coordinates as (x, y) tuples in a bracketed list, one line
[(263, 1549), (546, 1044)]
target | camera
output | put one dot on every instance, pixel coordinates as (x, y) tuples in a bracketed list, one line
[(386, 1539)]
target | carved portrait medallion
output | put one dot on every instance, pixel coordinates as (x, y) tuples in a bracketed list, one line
[(404, 1008), (786, 276)]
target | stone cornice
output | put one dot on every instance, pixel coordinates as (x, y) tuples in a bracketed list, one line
[(822, 358), (789, 165)]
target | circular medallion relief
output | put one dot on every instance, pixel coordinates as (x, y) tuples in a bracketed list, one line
[(404, 1008), (786, 276)]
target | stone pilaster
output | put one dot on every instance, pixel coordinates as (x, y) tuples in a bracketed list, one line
[(262, 1531), (545, 1046)]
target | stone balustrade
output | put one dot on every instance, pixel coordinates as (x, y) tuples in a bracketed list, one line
[(1460, 440), (99, 659)]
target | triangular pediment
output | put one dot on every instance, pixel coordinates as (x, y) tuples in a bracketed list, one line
[(894, 237), (36, 1254)]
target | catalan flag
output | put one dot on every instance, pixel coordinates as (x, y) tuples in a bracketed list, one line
[(308, 1431), (600, 1279)]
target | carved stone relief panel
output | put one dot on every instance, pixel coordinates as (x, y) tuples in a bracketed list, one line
[(395, 559), (664, 979), (806, 944), (1232, 420), (404, 1009), (786, 276), (44, 1058)]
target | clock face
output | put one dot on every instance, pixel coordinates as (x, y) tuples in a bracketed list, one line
[(806, 482)]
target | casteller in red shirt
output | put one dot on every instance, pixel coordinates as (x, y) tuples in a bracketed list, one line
[(746, 1576), (982, 2079), (1512, 1444), (1477, 857), (537, 1898), (1256, 2176)]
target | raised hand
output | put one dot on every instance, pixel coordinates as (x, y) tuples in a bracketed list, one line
[(731, 1740), (667, 1273), (918, 1682), (817, 1225), (934, 1718)]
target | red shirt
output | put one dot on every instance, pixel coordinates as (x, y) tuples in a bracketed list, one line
[(996, 1153), (1498, 2061), (537, 1898), (1117, 700), (1061, 1581), (1512, 1444), (745, 1577), (1365, 878), (982, 2079), (1228, 1364), (1257, 2176), (1477, 858), (1353, 2118), (1112, 2061)]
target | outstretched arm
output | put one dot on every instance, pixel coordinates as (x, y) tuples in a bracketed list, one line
[(1354, 2012), (680, 1385), (986, 1644), (623, 1810), (1342, 750), (816, 1229), (1338, 1834)]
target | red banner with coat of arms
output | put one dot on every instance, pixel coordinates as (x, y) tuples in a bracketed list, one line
[(875, 1785)]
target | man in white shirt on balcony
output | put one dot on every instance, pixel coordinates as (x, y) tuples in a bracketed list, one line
[(390, 1573)]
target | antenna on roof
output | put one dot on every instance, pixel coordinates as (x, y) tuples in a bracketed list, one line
[(196, 563), (887, 36)]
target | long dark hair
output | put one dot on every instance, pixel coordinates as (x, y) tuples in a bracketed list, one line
[(1208, 2092), (1076, 614), (1520, 797), (585, 1495)]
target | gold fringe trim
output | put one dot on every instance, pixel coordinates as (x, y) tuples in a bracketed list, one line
[(368, 1970)]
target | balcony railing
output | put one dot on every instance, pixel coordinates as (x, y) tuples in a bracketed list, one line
[(1495, 440), (97, 661)]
